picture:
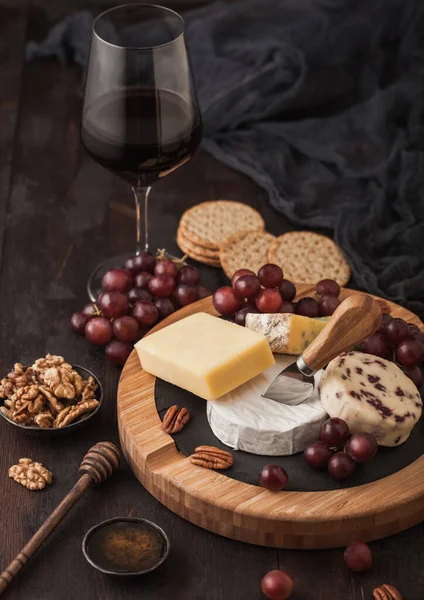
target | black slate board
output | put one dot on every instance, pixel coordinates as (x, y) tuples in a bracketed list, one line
[(301, 477)]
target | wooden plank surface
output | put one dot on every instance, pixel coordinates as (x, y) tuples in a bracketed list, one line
[(63, 215)]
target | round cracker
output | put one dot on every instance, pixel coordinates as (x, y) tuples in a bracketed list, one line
[(208, 224), (245, 250), (190, 250), (308, 257), (200, 250)]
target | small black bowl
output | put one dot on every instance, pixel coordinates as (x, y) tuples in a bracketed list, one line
[(55, 431), (144, 525)]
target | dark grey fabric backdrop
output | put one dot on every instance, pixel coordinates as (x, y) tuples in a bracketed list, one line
[(321, 102)]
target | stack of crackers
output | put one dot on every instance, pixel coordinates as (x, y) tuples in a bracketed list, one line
[(232, 235)]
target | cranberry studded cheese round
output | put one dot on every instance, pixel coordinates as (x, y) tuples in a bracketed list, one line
[(372, 395)]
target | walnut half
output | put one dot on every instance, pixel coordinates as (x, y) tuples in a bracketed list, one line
[(32, 475)]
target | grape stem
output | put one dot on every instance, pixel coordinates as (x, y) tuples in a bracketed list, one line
[(161, 255)]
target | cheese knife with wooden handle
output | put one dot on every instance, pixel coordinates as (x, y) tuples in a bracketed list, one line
[(355, 318)]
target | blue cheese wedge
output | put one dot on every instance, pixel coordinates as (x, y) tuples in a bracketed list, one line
[(286, 333), (372, 395)]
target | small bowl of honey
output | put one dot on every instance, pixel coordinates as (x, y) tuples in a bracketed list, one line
[(124, 546)]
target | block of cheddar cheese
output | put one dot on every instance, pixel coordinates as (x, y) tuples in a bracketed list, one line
[(286, 333), (205, 355)]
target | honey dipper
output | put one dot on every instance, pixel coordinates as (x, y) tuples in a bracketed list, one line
[(100, 462)]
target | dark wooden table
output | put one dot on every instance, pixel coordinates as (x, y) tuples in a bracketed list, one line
[(61, 214)]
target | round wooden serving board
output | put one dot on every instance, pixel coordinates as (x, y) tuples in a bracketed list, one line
[(250, 513)]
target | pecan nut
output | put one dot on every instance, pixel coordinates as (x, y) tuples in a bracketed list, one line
[(175, 419), (386, 592), (212, 458), (32, 475)]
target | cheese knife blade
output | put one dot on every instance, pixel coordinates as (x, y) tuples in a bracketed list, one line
[(355, 318)]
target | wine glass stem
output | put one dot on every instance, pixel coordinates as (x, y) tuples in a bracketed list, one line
[(141, 195)]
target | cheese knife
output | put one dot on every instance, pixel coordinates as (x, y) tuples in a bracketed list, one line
[(355, 318)]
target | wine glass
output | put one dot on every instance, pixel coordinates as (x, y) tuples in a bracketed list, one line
[(140, 117)]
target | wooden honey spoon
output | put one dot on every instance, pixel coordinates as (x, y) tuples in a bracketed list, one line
[(100, 462)]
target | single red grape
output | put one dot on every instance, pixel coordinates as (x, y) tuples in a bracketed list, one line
[(273, 477), (90, 309), (137, 294), (287, 290), (240, 273), (287, 307), (270, 276), (375, 344), (396, 331), (417, 334), (146, 313), (308, 307), (277, 585), (134, 265), (268, 301), (226, 301), (410, 352), (328, 287), (165, 307), (117, 280), (142, 280), (113, 304), (126, 329), (186, 294), (358, 557), (317, 455), (166, 267), (340, 466), (334, 432), (203, 292), (247, 286), (162, 286), (362, 447), (385, 320), (415, 374), (145, 261), (327, 305), (118, 352), (189, 275), (99, 331), (78, 322), (240, 318)]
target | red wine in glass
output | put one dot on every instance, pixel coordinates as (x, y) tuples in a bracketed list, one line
[(161, 131), (140, 118)]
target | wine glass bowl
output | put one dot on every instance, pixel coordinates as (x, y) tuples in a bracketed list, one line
[(140, 117)]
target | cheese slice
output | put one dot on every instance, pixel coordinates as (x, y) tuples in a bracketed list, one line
[(244, 420), (285, 332), (205, 355)]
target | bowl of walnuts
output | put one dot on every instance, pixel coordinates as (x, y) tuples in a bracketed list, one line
[(50, 397)]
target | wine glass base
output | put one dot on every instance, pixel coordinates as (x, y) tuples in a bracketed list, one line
[(94, 284)]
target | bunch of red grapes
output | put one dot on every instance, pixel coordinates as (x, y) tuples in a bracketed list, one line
[(268, 292), (134, 299), (401, 342), (337, 451)]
